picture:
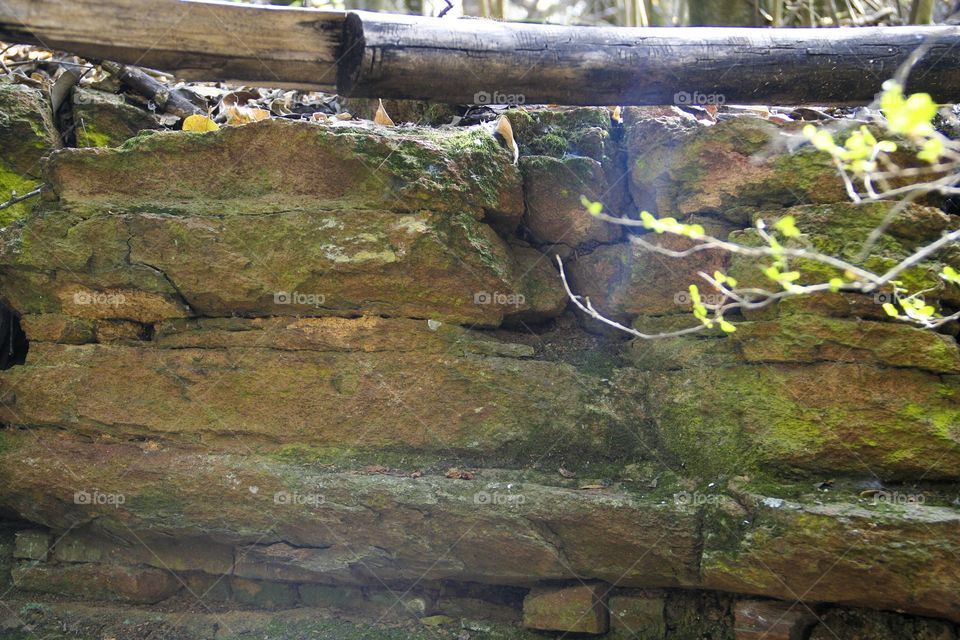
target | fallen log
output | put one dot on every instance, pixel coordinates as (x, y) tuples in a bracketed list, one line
[(266, 45), (473, 61), (470, 61)]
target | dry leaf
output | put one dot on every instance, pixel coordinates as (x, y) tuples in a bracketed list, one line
[(505, 131), (591, 486), (237, 115), (238, 98), (199, 124), (565, 473), (381, 117), (416, 474), (319, 116), (377, 468), (344, 116), (616, 114)]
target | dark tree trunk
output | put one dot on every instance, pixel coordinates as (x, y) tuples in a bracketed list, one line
[(380, 55)]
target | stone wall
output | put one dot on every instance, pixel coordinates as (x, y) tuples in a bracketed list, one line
[(332, 368)]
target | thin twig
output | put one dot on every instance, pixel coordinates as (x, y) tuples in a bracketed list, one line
[(593, 313), (14, 198)]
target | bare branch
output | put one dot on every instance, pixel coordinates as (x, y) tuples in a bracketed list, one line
[(593, 313), (14, 198)]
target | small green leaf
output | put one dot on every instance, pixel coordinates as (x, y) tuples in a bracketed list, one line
[(932, 150), (787, 226), (594, 208)]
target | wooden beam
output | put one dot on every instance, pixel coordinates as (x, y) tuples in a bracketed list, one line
[(466, 61), (426, 58), (197, 40)]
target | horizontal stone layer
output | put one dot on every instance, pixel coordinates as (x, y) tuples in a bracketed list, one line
[(817, 420), (281, 164), (394, 528), (866, 399), (732, 168), (148, 267), (331, 385), (342, 528)]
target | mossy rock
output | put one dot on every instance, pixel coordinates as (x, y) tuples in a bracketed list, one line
[(734, 168), (559, 131), (27, 134), (840, 230), (102, 119), (807, 420)]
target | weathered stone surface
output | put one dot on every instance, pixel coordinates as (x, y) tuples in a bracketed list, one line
[(282, 165), (32, 544), (553, 190), (27, 133), (57, 327), (627, 279), (206, 587), (147, 267), (109, 303), (858, 624), (705, 348), (679, 166), (263, 594), (48, 619), (759, 619), (172, 555), (776, 548), (330, 597), (120, 331), (97, 581), (842, 553), (811, 338), (407, 604), (102, 119), (492, 407), (576, 609), (399, 528), (588, 132), (637, 617), (281, 562), (583, 131), (840, 230), (704, 614), (367, 335), (824, 418)]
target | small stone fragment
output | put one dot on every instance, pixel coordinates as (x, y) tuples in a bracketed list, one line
[(771, 620), (32, 545), (577, 609)]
